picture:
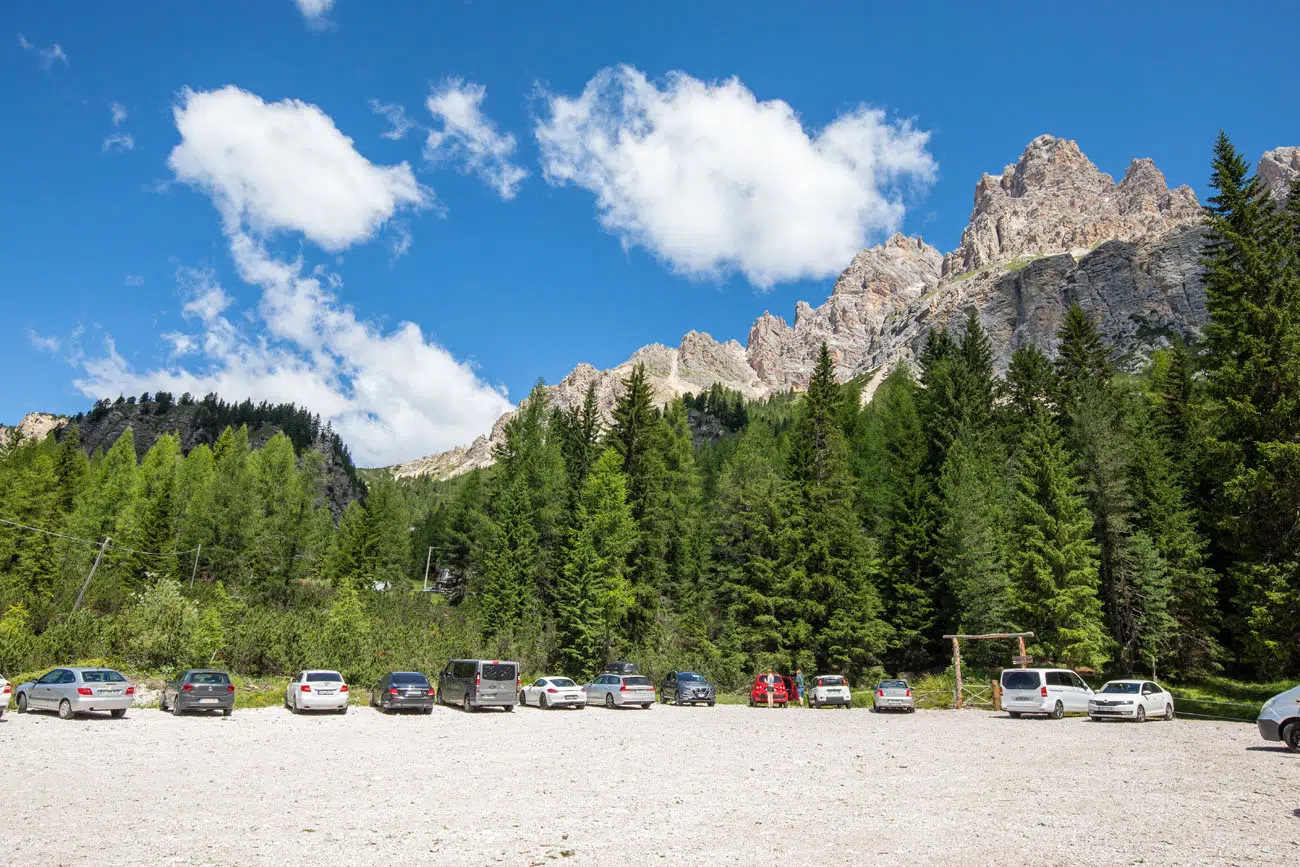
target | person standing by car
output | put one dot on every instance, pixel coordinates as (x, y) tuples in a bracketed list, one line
[(798, 686)]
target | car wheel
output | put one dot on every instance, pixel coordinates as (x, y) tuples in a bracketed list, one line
[(465, 705), (609, 701), (1058, 712), (65, 709), (1291, 737), (428, 711), (344, 710), (162, 703), (509, 708), (22, 702), (523, 700), (647, 705), (293, 708), (1169, 712), (677, 698), (1141, 715), (541, 701), (227, 711), (710, 703), (119, 713), (176, 708)]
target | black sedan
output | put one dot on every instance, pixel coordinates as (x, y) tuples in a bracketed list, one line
[(687, 687), (403, 690), (199, 689)]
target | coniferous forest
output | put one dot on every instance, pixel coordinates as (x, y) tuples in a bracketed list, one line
[(1135, 521)]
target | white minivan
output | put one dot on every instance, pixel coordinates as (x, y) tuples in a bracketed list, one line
[(1051, 691)]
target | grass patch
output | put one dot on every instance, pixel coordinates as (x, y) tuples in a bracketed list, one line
[(1224, 697)]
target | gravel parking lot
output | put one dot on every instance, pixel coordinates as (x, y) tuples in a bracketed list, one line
[(723, 785)]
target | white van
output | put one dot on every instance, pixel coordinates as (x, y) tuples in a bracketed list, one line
[(1051, 691)]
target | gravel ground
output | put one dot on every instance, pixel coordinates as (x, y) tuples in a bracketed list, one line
[(723, 785)]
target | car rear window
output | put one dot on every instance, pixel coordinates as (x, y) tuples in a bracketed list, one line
[(1020, 680), (832, 680), (638, 680), (498, 671), (209, 677), (562, 681), (102, 677), (410, 677), (324, 677), (893, 684)]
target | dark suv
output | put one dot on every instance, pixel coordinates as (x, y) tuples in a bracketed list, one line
[(402, 690), (687, 687)]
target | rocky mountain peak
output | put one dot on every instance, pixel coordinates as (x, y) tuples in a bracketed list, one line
[(1280, 170), (1054, 200)]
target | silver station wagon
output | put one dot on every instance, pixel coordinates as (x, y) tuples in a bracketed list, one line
[(74, 690)]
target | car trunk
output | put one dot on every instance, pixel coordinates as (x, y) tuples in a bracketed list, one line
[(207, 693), (497, 682)]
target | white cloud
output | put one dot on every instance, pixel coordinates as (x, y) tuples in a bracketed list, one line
[(391, 394), (713, 181), (399, 124), (315, 11), (119, 113), (46, 56), (470, 137), (134, 280), (44, 344), (285, 166), (122, 141)]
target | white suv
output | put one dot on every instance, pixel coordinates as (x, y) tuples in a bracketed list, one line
[(1051, 691)]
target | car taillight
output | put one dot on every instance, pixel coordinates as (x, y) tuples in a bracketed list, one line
[(880, 692), (478, 679), (518, 681), (431, 692), (189, 687), (552, 690), (909, 693), (230, 687), (306, 687), (343, 688), (1042, 690), (130, 690), (392, 690), (7, 687), (85, 690), (622, 687)]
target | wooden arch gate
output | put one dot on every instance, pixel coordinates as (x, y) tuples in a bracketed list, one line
[(1021, 659)]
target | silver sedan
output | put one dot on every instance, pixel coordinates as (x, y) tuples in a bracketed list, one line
[(74, 690)]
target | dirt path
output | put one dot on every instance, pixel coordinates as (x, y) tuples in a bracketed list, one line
[(727, 785)]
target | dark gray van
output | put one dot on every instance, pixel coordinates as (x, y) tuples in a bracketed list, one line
[(476, 683)]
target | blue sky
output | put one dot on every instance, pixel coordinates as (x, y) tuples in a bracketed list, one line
[(238, 238)]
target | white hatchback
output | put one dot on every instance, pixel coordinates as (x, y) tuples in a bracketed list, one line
[(1137, 700), (1051, 691), (553, 692), (317, 690)]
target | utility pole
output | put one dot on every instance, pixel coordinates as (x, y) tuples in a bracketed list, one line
[(195, 570), (427, 560), (82, 594)]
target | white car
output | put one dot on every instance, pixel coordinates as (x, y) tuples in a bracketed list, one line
[(553, 692), (1279, 719), (1138, 700), (1051, 691), (829, 690), (317, 689), (5, 691)]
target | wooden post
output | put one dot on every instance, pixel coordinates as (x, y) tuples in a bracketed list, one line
[(956, 667), (997, 696), (1021, 640), (95, 566)]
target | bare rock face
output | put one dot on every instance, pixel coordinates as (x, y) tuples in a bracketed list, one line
[(1280, 170), (449, 464), (1050, 231), (1054, 200), (34, 426)]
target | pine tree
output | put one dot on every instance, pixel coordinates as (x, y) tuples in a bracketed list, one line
[(1055, 557), (593, 594), (148, 522)]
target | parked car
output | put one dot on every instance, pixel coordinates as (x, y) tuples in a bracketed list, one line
[(621, 690), (893, 695), (402, 690), (318, 689), (71, 691), (1279, 719), (620, 668), (687, 687), (1051, 691), (828, 690), (1131, 699), (769, 683), (553, 692), (199, 689), (5, 691), (476, 683)]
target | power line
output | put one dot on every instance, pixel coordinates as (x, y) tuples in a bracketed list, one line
[(93, 542)]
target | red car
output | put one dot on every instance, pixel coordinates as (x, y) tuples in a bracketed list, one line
[(773, 683)]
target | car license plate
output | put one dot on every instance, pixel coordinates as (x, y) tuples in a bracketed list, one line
[(207, 701), (324, 692), (110, 692), (570, 698)]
